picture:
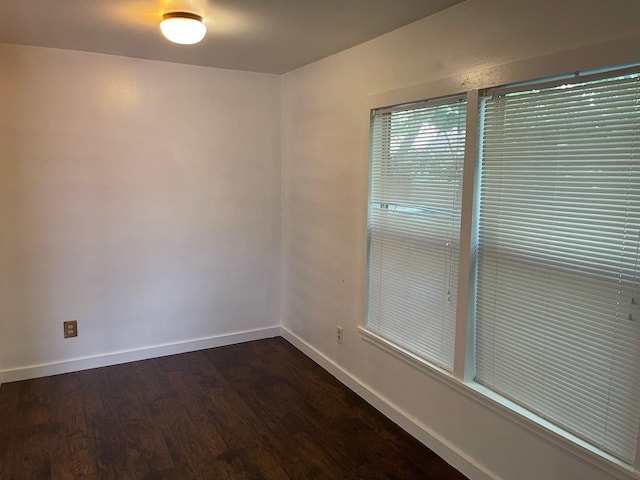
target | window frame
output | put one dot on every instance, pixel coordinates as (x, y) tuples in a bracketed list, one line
[(461, 378), (365, 330), (582, 268)]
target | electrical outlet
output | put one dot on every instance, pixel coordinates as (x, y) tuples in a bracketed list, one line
[(70, 328), (339, 336)]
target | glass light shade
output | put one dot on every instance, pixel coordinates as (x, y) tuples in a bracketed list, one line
[(183, 27)]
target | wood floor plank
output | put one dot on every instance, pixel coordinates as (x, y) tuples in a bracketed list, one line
[(257, 410), (9, 402), (70, 457)]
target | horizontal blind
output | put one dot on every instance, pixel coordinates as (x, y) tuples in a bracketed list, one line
[(557, 326), (414, 223)]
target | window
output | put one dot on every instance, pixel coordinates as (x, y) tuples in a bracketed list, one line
[(556, 315), (554, 263), (417, 155)]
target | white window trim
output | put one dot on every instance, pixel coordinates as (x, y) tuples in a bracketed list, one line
[(463, 365)]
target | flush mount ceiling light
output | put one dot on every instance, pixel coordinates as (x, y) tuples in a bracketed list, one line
[(183, 27)]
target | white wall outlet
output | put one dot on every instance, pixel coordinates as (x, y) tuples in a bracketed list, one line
[(339, 336)]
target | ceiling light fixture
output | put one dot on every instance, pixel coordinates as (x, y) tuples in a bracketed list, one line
[(183, 27)]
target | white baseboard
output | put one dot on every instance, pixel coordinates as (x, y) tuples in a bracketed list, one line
[(451, 454), (114, 358)]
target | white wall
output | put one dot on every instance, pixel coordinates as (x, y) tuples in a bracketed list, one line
[(325, 121), (141, 198)]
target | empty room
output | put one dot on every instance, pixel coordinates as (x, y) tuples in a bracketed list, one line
[(320, 239)]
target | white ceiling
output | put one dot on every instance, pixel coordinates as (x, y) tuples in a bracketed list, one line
[(272, 36)]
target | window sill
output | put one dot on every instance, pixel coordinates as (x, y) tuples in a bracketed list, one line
[(509, 410)]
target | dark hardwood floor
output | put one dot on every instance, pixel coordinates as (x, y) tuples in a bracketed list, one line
[(258, 410)]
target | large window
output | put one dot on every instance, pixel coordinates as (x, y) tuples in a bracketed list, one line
[(414, 221), (553, 266), (557, 326)]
